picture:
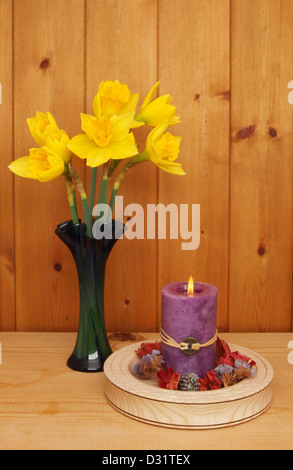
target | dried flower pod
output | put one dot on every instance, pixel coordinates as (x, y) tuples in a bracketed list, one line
[(236, 376), (148, 365), (223, 369)]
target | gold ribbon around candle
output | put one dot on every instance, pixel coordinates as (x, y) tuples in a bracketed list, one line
[(189, 345)]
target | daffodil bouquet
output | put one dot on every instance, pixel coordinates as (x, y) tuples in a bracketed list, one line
[(108, 139)]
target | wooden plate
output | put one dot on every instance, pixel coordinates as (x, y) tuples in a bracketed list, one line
[(145, 401)]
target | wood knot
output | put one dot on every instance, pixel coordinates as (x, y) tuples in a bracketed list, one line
[(45, 63), (261, 251), (8, 263), (245, 132), (57, 267), (196, 97), (272, 132), (127, 301), (227, 95), (120, 336)]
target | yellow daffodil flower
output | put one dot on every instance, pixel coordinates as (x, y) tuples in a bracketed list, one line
[(41, 126), (114, 98), (39, 165), (57, 144), (157, 111), (163, 149), (104, 139)]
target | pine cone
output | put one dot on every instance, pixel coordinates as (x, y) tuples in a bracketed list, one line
[(189, 382)]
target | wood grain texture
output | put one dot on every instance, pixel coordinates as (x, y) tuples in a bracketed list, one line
[(7, 267), (45, 405), (122, 44), (227, 64), (261, 235), (194, 44), (48, 76)]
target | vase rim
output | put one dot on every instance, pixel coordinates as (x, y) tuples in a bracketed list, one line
[(67, 224)]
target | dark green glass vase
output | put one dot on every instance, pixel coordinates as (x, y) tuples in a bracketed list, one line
[(90, 255)]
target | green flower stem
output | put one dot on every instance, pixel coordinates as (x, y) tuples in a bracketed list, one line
[(103, 188), (104, 184), (93, 189), (86, 214), (85, 207), (92, 325), (130, 164), (112, 203), (74, 198), (86, 338), (112, 168), (71, 199)]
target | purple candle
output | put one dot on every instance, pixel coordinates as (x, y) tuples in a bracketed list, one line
[(188, 327)]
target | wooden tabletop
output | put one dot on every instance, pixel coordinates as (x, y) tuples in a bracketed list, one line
[(45, 405)]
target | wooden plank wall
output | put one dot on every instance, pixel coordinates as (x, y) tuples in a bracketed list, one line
[(227, 64), (7, 271), (261, 166)]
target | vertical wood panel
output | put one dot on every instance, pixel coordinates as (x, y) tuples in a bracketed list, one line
[(7, 279), (261, 166), (188, 49), (194, 68), (47, 297), (121, 44)]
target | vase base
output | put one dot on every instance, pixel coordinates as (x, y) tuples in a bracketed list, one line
[(85, 364)]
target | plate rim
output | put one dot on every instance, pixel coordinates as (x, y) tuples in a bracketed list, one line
[(117, 371)]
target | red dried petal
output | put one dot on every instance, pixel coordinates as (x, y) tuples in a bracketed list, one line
[(230, 358), (147, 348), (212, 380), (168, 379), (221, 348), (161, 379), (174, 380), (203, 384), (226, 359)]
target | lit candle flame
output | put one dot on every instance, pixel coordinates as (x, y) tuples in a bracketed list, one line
[(190, 288)]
